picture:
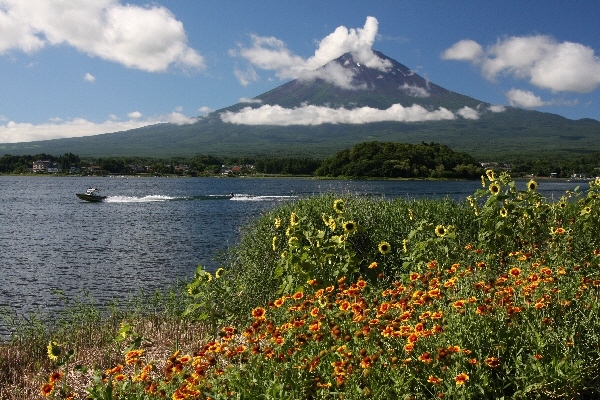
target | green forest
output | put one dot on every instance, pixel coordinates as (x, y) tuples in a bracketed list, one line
[(401, 160)]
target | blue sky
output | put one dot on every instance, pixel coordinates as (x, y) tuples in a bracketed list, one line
[(75, 68)]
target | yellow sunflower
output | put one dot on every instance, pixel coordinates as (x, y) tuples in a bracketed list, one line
[(440, 230), (490, 174), (384, 247), (350, 226), (532, 185), (294, 219), (503, 212), (54, 350), (494, 188), (338, 205)]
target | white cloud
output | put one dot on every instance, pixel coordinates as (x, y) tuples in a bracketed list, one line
[(122, 33), (415, 91), (524, 98), (205, 110), (540, 59), (468, 113), (246, 77), (317, 115), (13, 132), (134, 115), (496, 108), (89, 77), (468, 50), (249, 100), (270, 53)]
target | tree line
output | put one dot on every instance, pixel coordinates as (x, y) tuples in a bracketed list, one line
[(364, 160)]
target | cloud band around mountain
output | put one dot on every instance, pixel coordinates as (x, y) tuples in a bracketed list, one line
[(318, 115), (15, 132)]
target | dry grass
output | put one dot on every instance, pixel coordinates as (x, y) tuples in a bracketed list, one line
[(25, 366)]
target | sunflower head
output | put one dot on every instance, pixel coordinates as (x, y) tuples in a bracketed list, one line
[(294, 219), (503, 212), (440, 230), (54, 350), (293, 241), (532, 185), (277, 222), (384, 247), (219, 272), (350, 227), (494, 188), (490, 174), (338, 205)]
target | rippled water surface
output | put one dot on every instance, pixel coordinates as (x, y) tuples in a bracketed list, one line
[(150, 232)]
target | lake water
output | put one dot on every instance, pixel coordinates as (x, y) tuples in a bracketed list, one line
[(150, 232)]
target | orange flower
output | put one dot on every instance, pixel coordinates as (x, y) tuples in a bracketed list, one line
[(434, 380), (454, 349), (425, 357), (366, 362), (461, 379), (372, 265), (492, 362), (383, 308), (437, 315), (133, 356), (259, 313), (315, 326), (514, 272), (46, 389), (419, 327), (314, 312), (114, 370), (409, 347), (361, 284), (458, 304), (55, 376), (298, 323), (279, 302), (414, 276), (298, 295)]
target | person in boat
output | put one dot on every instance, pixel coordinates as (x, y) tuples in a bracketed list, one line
[(92, 191)]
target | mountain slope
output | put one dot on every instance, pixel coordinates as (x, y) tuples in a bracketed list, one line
[(378, 89), (491, 135)]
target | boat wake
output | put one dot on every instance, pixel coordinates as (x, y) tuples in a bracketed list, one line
[(145, 199), (156, 198), (249, 197)]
